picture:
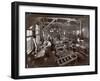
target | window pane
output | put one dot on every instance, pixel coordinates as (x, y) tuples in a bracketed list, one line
[(29, 45), (29, 32)]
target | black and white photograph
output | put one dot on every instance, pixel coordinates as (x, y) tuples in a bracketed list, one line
[(50, 40), (56, 40)]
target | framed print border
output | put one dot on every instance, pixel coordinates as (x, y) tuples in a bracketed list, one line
[(16, 13)]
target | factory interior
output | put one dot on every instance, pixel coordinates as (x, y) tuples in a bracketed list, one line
[(56, 40)]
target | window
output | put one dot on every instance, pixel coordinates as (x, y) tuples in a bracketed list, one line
[(29, 40)]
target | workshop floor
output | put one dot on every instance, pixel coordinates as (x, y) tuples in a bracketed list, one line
[(50, 61)]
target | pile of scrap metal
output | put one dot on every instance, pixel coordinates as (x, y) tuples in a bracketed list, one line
[(82, 53)]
